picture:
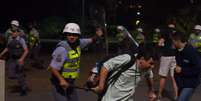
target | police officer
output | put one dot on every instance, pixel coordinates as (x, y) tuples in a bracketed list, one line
[(140, 36), (65, 63), (18, 50), (195, 38), (156, 35), (15, 26), (34, 45)]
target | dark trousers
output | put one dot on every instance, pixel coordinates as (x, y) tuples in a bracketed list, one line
[(16, 71)]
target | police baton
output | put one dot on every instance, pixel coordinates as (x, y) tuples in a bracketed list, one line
[(84, 88)]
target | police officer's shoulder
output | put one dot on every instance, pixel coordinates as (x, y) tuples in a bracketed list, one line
[(21, 39), (62, 44)]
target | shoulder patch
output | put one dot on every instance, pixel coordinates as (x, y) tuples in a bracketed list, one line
[(59, 58)]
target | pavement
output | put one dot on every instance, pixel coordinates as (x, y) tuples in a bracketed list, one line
[(38, 81)]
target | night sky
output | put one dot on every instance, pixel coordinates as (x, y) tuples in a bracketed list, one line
[(26, 10)]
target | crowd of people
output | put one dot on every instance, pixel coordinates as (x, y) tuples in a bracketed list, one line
[(115, 77)]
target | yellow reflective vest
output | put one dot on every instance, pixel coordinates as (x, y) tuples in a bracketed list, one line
[(195, 40), (71, 64), (155, 38)]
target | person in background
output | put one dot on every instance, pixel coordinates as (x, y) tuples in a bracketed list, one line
[(188, 67), (18, 51), (167, 60), (15, 25), (34, 46), (195, 38), (140, 36)]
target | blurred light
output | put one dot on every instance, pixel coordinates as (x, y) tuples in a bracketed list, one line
[(120, 2), (131, 6), (137, 22), (138, 13), (105, 25), (139, 6)]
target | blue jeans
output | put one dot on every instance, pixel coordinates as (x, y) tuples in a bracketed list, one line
[(185, 94)]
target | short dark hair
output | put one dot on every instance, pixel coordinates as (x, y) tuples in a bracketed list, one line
[(179, 36), (146, 52)]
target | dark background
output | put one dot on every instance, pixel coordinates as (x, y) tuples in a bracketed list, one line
[(153, 11)]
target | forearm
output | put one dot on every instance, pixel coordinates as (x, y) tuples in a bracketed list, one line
[(150, 84), (94, 38), (103, 76), (56, 73), (26, 51)]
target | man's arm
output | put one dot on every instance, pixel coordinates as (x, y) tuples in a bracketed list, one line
[(101, 85), (99, 33), (62, 81), (103, 75), (150, 84), (26, 51)]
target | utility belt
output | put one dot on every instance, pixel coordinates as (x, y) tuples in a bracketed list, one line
[(15, 56)]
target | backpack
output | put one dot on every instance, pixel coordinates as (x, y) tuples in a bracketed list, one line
[(111, 78)]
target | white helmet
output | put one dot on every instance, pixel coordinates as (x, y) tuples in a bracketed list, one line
[(197, 27), (15, 22), (72, 28), (157, 30), (171, 26), (120, 28), (140, 30)]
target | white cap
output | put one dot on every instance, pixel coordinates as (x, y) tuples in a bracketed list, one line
[(171, 26), (197, 27), (140, 30), (15, 22), (72, 28)]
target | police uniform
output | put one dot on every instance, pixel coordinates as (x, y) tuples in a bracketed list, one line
[(67, 62), (9, 31), (16, 48), (195, 40), (34, 46), (155, 39)]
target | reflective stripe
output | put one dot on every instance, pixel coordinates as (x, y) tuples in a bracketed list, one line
[(155, 38), (72, 75), (71, 70), (74, 65)]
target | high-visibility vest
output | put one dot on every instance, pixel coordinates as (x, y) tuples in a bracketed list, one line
[(196, 41), (32, 40), (71, 64), (140, 38), (155, 38)]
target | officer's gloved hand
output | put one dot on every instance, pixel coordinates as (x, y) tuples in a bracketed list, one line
[(64, 84)]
